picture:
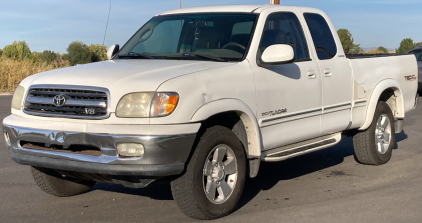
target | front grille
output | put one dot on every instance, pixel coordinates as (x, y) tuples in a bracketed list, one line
[(67, 101)]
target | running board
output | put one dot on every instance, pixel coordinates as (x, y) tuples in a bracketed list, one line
[(287, 152)]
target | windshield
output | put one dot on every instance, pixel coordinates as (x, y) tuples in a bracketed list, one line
[(219, 37)]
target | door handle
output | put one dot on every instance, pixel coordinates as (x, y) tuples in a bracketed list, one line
[(311, 74), (328, 73)]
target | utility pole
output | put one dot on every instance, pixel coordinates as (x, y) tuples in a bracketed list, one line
[(275, 2), (180, 4)]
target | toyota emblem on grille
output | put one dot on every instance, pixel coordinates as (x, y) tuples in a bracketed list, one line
[(59, 100)]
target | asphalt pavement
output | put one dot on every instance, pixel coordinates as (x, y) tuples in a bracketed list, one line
[(324, 186)]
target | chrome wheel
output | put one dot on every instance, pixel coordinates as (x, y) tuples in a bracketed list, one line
[(383, 134), (220, 174)]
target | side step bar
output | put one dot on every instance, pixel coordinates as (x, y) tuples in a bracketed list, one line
[(287, 152)]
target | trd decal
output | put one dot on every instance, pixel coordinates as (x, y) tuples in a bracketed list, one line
[(410, 78)]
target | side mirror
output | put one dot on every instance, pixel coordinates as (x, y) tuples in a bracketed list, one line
[(278, 54), (112, 50)]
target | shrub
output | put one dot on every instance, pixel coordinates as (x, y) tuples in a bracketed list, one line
[(48, 56), (12, 72), (17, 50), (98, 51), (78, 53)]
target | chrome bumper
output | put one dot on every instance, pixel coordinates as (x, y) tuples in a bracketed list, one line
[(164, 155)]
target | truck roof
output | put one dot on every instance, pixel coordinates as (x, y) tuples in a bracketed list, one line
[(224, 8)]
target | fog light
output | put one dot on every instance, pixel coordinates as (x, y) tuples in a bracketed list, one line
[(6, 137), (130, 149)]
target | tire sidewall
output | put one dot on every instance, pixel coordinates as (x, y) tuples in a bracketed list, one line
[(382, 108), (205, 146)]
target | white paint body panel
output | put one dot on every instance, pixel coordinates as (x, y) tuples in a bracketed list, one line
[(208, 88)]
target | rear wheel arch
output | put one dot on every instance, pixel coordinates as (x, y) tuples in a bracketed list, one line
[(390, 92)]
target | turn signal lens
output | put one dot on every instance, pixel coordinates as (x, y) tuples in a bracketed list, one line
[(163, 104)]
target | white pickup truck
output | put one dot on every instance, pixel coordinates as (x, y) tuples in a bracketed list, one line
[(200, 96)]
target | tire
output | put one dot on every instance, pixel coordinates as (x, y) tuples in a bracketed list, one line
[(218, 145), (55, 184), (374, 146)]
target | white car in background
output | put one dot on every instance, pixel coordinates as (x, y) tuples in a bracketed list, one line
[(418, 54)]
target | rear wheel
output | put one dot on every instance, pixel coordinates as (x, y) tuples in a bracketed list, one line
[(214, 178), (51, 182), (374, 146)]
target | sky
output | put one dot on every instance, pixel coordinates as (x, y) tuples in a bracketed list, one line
[(53, 25)]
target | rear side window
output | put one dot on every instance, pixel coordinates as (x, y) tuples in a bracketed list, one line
[(285, 28), (321, 35), (417, 54)]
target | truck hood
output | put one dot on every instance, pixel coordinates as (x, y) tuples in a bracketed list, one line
[(122, 76)]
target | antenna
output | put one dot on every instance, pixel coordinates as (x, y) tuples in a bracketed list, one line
[(108, 18)]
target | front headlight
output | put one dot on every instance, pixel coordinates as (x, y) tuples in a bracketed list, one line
[(17, 98), (147, 104), (134, 105)]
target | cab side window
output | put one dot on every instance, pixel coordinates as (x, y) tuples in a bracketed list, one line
[(325, 45), (285, 28)]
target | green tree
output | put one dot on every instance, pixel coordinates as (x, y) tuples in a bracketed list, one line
[(382, 50), (98, 51), (48, 56), (356, 49), (78, 53), (1, 51), (346, 40), (17, 50), (405, 45), (416, 44)]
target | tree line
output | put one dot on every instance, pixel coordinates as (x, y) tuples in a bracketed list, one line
[(77, 53), (350, 47), (17, 61)]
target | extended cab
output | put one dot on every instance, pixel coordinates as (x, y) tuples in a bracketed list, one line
[(200, 96)]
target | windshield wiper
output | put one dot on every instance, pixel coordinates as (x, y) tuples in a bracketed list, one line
[(204, 56), (133, 54), (209, 57)]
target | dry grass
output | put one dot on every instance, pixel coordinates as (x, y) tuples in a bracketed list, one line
[(12, 72)]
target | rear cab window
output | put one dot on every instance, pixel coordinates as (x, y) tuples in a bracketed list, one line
[(322, 36)]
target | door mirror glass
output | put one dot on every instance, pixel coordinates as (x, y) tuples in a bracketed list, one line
[(278, 54), (112, 50)]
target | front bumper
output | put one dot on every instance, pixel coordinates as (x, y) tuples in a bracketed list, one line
[(164, 155)]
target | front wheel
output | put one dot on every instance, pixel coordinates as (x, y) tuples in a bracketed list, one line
[(374, 146), (214, 179)]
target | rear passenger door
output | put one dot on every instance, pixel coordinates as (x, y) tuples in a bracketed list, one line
[(336, 75)]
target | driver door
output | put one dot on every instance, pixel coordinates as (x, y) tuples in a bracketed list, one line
[(289, 96)]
